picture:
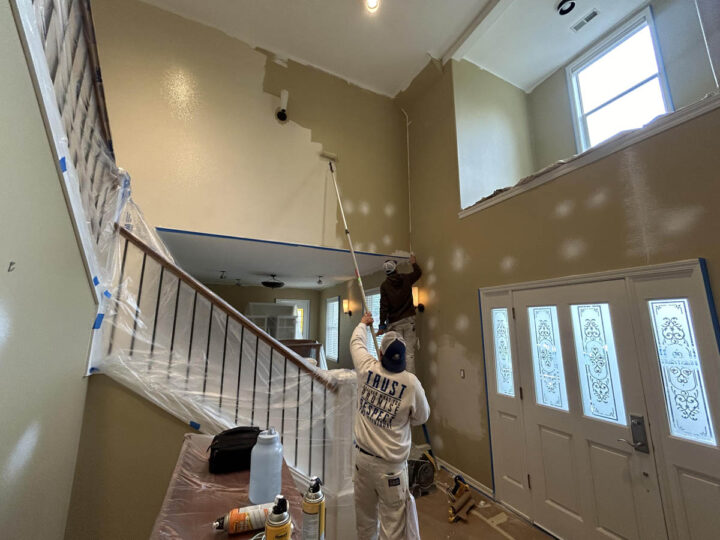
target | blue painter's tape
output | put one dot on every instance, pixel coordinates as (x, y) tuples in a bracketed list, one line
[(94, 370), (63, 164), (98, 321), (195, 425), (107, 294), (96, 281)]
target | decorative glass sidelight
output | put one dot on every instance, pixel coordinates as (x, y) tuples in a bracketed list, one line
[(598, 370), (685, 397), (550, 389), (503, 355)]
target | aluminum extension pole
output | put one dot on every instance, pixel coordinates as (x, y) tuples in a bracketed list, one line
[(352, 252)]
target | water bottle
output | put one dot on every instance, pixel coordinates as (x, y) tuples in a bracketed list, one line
[(266, 467)]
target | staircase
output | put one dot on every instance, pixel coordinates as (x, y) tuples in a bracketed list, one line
[(158, 330)]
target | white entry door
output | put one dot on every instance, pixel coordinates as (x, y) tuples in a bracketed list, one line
[(591, 476), (604, 400)]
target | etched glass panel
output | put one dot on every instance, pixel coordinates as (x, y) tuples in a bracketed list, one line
[(503, 355), (550, 389), (685, 397), (597, 363)]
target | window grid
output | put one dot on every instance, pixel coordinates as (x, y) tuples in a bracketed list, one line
[(628, 106), (373, 304), (332, 325)]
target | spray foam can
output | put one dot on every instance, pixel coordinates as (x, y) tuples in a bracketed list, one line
[(278, 525), (313, 508), (238, 520)]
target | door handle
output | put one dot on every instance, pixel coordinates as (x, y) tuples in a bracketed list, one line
[(639, 435)]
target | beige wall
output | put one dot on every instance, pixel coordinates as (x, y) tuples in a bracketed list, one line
[(46, 312), (349, 290), (239, 297), (651, 203), (493, 132), (193, 121), (687, 66), (128, 451)]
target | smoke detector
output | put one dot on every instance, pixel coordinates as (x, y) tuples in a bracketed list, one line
[(273, 283)]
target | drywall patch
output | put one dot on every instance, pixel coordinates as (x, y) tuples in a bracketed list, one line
[(597, 199), (432, 322), (430, 264), (180, 90), (462, 323), (364, 207), (432, 348), (507, 264), (21, 454), (431, 279), (348, 206), (681, 220), (4, 326), (389, 210), (564, 208), (387, 240), (459, 259), (572, 249)]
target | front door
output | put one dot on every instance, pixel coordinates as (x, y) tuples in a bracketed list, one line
[(590, 460)]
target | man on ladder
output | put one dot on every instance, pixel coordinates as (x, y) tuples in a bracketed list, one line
[(397, 311)]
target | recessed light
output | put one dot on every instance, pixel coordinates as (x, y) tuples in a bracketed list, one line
[(372, 5), (565, 7)]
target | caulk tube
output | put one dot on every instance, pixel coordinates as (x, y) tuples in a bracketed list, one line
[(238, 520), (278, 525), (313, 508)]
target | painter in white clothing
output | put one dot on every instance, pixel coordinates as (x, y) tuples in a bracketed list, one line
[(390, 401)]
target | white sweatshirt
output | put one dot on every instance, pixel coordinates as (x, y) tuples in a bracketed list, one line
[(388, 404)]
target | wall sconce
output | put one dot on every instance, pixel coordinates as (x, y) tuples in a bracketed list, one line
[(416, 300), (346, 307)]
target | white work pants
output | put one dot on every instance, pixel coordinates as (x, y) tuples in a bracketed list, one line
[(406, 328), (380, 483)]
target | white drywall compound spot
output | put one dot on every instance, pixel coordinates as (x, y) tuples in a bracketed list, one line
[(431, 279), (597, 199), (387, 240), (462, 323), (372, 247), (358, 246), (507, 263), (4, 326), (564, 208), (389, 210), (459, 259), (432, 295), (437, 443), (432, 367), (349, 207), (180, 90), (364, 207), (433, 393), (680, 220), (432, 322), (432, 348), (430, 264), (21, 454), (572, 249)]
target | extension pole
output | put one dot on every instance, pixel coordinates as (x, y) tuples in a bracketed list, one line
[(352, 252)]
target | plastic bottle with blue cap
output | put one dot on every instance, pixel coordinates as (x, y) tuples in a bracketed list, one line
[(266, 467)]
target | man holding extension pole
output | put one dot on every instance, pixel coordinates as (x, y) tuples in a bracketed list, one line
[(390, 400), (397, 312)]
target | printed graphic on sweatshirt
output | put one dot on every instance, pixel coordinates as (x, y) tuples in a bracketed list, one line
[(380, 399)]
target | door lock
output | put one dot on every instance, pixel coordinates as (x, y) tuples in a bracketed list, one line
[(637, 428)]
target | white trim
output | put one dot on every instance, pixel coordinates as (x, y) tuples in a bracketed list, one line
[(622, 273), (488, 15), (600, 49), (328, 300), (617, 143), (475, 484)]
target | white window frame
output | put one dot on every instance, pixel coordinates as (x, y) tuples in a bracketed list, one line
[(604, 46), (339, 311)]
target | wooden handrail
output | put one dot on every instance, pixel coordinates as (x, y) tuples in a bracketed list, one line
[(227, 308)]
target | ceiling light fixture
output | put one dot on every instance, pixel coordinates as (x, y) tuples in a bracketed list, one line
[(372, 5), (272, 284)]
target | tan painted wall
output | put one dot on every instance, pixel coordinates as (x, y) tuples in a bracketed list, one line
[(652, 203), (351, 291), (239, 297), (687, 66), (46, 312), (128, 451), (195, 128), (493, 132)]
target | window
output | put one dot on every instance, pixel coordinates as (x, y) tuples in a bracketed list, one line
[(550, 389), (332, 327), (503, 355), (597, 360), (302, 314), (373, 303), (619, 84), (686, 401)]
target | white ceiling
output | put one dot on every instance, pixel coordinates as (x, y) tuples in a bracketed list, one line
[(382, 51), (525, 41), (250, 261)]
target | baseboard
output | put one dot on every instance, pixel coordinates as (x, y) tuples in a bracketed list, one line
[(475, 484)]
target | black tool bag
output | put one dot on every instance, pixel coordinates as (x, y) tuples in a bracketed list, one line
[(230, 450)]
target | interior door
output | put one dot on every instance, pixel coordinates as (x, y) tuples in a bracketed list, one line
[(682, 365), (505, 404), (584, 413)]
